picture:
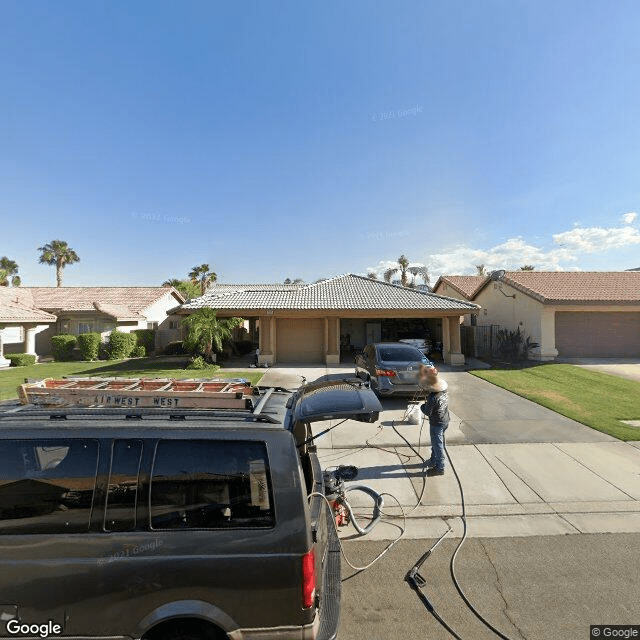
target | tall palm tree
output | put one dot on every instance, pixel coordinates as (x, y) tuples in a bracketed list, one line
[(59, 254), (201, 274), (403, 268), (372, 275), (480, 269), (527, 267), (9, 269), (421, 271), (205, 331)]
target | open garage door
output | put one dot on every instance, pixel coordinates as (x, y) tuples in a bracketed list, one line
[(597, 334), (300, 340)]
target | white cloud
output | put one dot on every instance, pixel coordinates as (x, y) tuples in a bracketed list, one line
[(516, 252), (628, 218), (581, 240)]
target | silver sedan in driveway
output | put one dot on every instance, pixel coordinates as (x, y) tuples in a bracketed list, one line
[(391, 367)]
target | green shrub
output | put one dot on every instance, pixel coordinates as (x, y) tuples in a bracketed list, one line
[(139, 352), (89, 344), (146, 339), (198, 362), (21, 359), (63, 345), (121, 344)]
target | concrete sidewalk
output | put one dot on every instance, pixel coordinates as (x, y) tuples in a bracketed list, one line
[(524, 469)]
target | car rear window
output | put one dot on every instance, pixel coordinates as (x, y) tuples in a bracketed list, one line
[(47, 486), (209, 484), (400, 354)]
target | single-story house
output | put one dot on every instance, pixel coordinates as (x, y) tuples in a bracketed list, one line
[(327, 320), (568, 313), (19, 323), (77, 310)]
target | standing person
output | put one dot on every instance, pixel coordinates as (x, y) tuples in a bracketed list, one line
[(436, 408)]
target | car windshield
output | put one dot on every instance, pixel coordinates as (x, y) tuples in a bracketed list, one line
[(400, 354)]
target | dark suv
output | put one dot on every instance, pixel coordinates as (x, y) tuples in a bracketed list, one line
[(174, 525)]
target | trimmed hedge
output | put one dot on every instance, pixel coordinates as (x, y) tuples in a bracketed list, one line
[(139, 352), (121, 344), (89, 344), (63, 345), (146, 339), (21, 359)]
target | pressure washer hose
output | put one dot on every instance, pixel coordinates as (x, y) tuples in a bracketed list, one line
[(377, 508)]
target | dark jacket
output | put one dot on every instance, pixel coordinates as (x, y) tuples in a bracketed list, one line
[(436, 408)]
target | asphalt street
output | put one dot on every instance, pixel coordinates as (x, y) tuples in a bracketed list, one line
[(534, 588)]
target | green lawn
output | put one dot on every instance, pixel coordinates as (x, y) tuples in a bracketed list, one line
[(598, 400), (11, 378)]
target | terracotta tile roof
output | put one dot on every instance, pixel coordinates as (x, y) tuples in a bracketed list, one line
[(132, 299), (15, 309), (466, 286), (577, 286), (348, 292)]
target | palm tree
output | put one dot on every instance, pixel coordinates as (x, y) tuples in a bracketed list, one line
[(403, 268), (527, 267), (201, 274), (59, 254), (372, 275), (185, 287), (205, 331), (481, 270), (421, 271), (9, 269), (296, 281)]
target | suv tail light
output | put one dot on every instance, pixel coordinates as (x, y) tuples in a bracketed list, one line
[(388, 373), (308, 579)]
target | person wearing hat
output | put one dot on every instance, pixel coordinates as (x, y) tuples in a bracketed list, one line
[(436, 408)]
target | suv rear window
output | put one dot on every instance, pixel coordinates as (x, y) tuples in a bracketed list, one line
[(46, 486), (209, 484), (400, 354)]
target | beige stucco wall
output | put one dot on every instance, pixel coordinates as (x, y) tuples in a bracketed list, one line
[(500, 307), (445, 289)]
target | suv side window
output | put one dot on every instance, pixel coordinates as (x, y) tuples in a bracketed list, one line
[(47, 486), (211, 484), (122, 492)]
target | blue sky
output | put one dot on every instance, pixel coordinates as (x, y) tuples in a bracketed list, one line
[(298, 139)]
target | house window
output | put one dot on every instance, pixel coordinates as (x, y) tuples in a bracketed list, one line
[(174, 324), (85, 327), (152, 325)]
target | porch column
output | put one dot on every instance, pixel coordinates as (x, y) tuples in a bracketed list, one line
[(4, 362), (30, 339), (451, 344), (267, 335), (332, 340)]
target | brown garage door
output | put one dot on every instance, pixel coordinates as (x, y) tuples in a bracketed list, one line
[(581, 333), (300, 340)]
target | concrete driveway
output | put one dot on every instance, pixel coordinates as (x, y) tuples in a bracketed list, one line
[(624, 367), (525, 470)]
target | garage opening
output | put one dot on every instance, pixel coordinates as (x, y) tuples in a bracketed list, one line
[(355, 333), (597, 334), (300, 340)]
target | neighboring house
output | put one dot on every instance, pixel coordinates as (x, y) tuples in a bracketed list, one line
[(101, 309), (19, 324), (327, 320), (568, 313)]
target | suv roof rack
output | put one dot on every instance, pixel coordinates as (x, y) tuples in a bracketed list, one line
[(135, 398)]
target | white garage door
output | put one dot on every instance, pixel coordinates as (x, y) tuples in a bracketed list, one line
[(581, 333), (300, 340)]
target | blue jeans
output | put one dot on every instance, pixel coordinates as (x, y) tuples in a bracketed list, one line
[(437, 430)]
